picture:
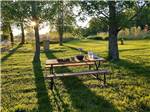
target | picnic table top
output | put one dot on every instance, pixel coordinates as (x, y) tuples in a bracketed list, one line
[(84, 61)]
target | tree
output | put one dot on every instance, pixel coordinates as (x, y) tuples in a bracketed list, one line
[(7, 19), (15, 12), (60, 15), (60, 21), (97, 25), (4, 31), (113, 31), (115, 16), (36, 29), (20, 13)]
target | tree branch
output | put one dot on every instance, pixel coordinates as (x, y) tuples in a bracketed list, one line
[(104, 14), (101, 18), (139, 11), (135, 15)]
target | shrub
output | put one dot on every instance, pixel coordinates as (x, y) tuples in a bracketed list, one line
[(106, 38), (103, 35), (147, 37), (4, 37), (95, 37)]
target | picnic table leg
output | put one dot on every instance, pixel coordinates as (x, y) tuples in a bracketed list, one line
[(104, 79), (52, 83), (89, 67), (97, 67), (52, 79)]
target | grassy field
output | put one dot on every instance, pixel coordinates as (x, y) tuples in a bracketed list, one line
[(25, 90)]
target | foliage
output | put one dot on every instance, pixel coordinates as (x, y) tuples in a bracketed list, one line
[(4, 31), (143, 18), (95, 37), (53, 10), (97, 25)]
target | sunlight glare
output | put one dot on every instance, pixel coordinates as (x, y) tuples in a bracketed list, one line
[(33, 23)]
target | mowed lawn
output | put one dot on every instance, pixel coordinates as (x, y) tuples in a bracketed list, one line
[(25, 90)]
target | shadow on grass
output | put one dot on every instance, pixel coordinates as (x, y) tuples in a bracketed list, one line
[(74, 48), (122, 50), (42, 93), (10, 53), (82, 98), (55, 51), (138, 69)]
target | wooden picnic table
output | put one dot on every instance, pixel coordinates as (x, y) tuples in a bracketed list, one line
[(52, 63)]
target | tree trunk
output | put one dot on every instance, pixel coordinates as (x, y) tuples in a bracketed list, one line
[(36, 29), (122, 41), (11, 35), (60, 36), (22, 32), (37, 44), (61, 23), (113, 53)]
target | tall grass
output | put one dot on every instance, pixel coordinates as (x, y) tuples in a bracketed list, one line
[(54, 36), (133, 33)]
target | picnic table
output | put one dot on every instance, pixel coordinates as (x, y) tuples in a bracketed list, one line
[(51, 64)]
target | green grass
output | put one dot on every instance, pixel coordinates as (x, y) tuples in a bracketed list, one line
[(24, 88)]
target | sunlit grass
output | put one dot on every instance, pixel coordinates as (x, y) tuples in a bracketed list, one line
[(23, 87)]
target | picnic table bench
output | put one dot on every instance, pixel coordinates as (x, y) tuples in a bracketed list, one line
[(52, 63)]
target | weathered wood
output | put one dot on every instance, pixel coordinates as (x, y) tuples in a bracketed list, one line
[(70, 64), (56, 63), (78, 73)]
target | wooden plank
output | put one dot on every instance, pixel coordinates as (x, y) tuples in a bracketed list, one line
[(71, 64), (55, 62), (78, 73), (51, 61)]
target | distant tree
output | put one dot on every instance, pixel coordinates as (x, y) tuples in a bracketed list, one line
[(60, 15), (7, 19), (15, 12), (4, 31), (97, 25), (21, 13)]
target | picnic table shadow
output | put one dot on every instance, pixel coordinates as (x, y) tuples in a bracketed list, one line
[(11, 52), (42, 93), (82, 98)]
